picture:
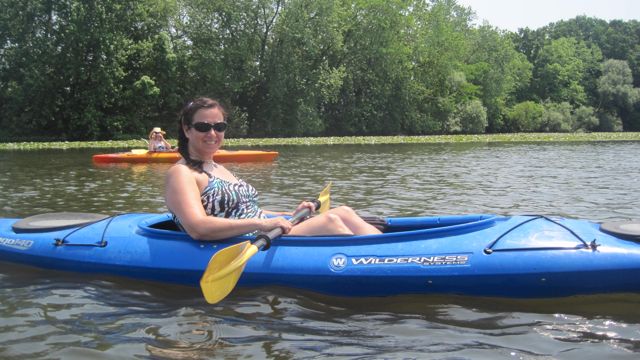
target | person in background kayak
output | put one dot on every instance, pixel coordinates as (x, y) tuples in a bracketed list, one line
[(157, 141), (211, 203)]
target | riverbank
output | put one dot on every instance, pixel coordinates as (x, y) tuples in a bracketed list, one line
[(482, 138)]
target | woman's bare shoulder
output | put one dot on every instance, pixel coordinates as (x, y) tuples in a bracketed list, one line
[(179, 170)]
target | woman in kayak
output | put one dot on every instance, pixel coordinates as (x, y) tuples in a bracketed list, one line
[(157, 141), (211, 203)]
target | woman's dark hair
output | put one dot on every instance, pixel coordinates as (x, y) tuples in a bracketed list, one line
[(186, 118)]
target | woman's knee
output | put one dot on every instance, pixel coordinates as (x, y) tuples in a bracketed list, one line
[(333, 219), (345, 211), (335, 222)]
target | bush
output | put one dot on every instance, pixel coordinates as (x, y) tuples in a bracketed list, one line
[(524, 117), (469, 118), (557, 117), (585, 119), (473, 117)]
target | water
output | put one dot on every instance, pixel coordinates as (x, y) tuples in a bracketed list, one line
[(57, 315)]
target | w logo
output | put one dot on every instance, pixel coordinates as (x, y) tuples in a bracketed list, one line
[(338, 262)]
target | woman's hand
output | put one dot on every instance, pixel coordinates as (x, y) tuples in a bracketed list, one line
[(306, 205), (275, 222), (269, 224)]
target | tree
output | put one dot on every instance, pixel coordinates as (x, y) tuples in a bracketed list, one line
[(498, 70), (224, 45), (616, 39), (618, 97), (439, 48), (562, 68), (69, 66), (303, 74), (111, 69)]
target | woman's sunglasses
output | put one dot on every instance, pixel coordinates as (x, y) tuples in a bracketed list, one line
[(206, 127)]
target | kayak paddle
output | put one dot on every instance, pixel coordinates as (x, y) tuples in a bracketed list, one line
[(226, 266)]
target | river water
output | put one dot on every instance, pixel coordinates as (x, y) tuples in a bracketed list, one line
[(57, 315)]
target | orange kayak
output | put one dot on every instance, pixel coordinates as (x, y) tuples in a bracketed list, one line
[(144, 156)]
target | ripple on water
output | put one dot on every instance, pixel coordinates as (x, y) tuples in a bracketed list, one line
[(48, 314)]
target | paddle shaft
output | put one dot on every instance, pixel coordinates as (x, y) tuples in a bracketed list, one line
[(263, 240)]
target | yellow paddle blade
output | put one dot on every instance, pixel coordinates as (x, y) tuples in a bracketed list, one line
[(325, 198), (224, 270), (139, 151)]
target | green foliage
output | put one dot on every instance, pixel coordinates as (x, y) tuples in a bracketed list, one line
[(470, 118), (302, 76), (81, 65), (557, 117), (618, 97), (561, 69), (610, 122), (529, 116), (524, 117), (615, 86), (616, 39), (585, 119), (498, 70), (439, 46), (112, 69)]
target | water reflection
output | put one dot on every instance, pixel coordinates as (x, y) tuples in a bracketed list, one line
[(55, 314)]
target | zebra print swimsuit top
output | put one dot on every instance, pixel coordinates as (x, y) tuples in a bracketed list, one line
[(230, 200)]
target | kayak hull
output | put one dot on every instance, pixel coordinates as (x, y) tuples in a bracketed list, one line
[(476, 255), (221, 156)]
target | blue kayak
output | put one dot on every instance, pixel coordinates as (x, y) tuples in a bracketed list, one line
[(478, 255)]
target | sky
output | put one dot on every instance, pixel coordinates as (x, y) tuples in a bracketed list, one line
[(514, 14)]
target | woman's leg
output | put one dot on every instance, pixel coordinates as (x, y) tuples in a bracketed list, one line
[(338, 221), (323, 224), (354, 222)]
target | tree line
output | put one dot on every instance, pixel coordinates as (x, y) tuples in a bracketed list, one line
[(112, 69)]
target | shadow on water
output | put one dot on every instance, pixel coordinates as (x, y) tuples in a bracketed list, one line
[(131, 290)]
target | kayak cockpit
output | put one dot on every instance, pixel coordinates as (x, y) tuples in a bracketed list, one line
[(164, 223)]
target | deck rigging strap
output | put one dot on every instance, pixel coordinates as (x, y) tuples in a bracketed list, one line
[(585, 245), (101, 243)]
